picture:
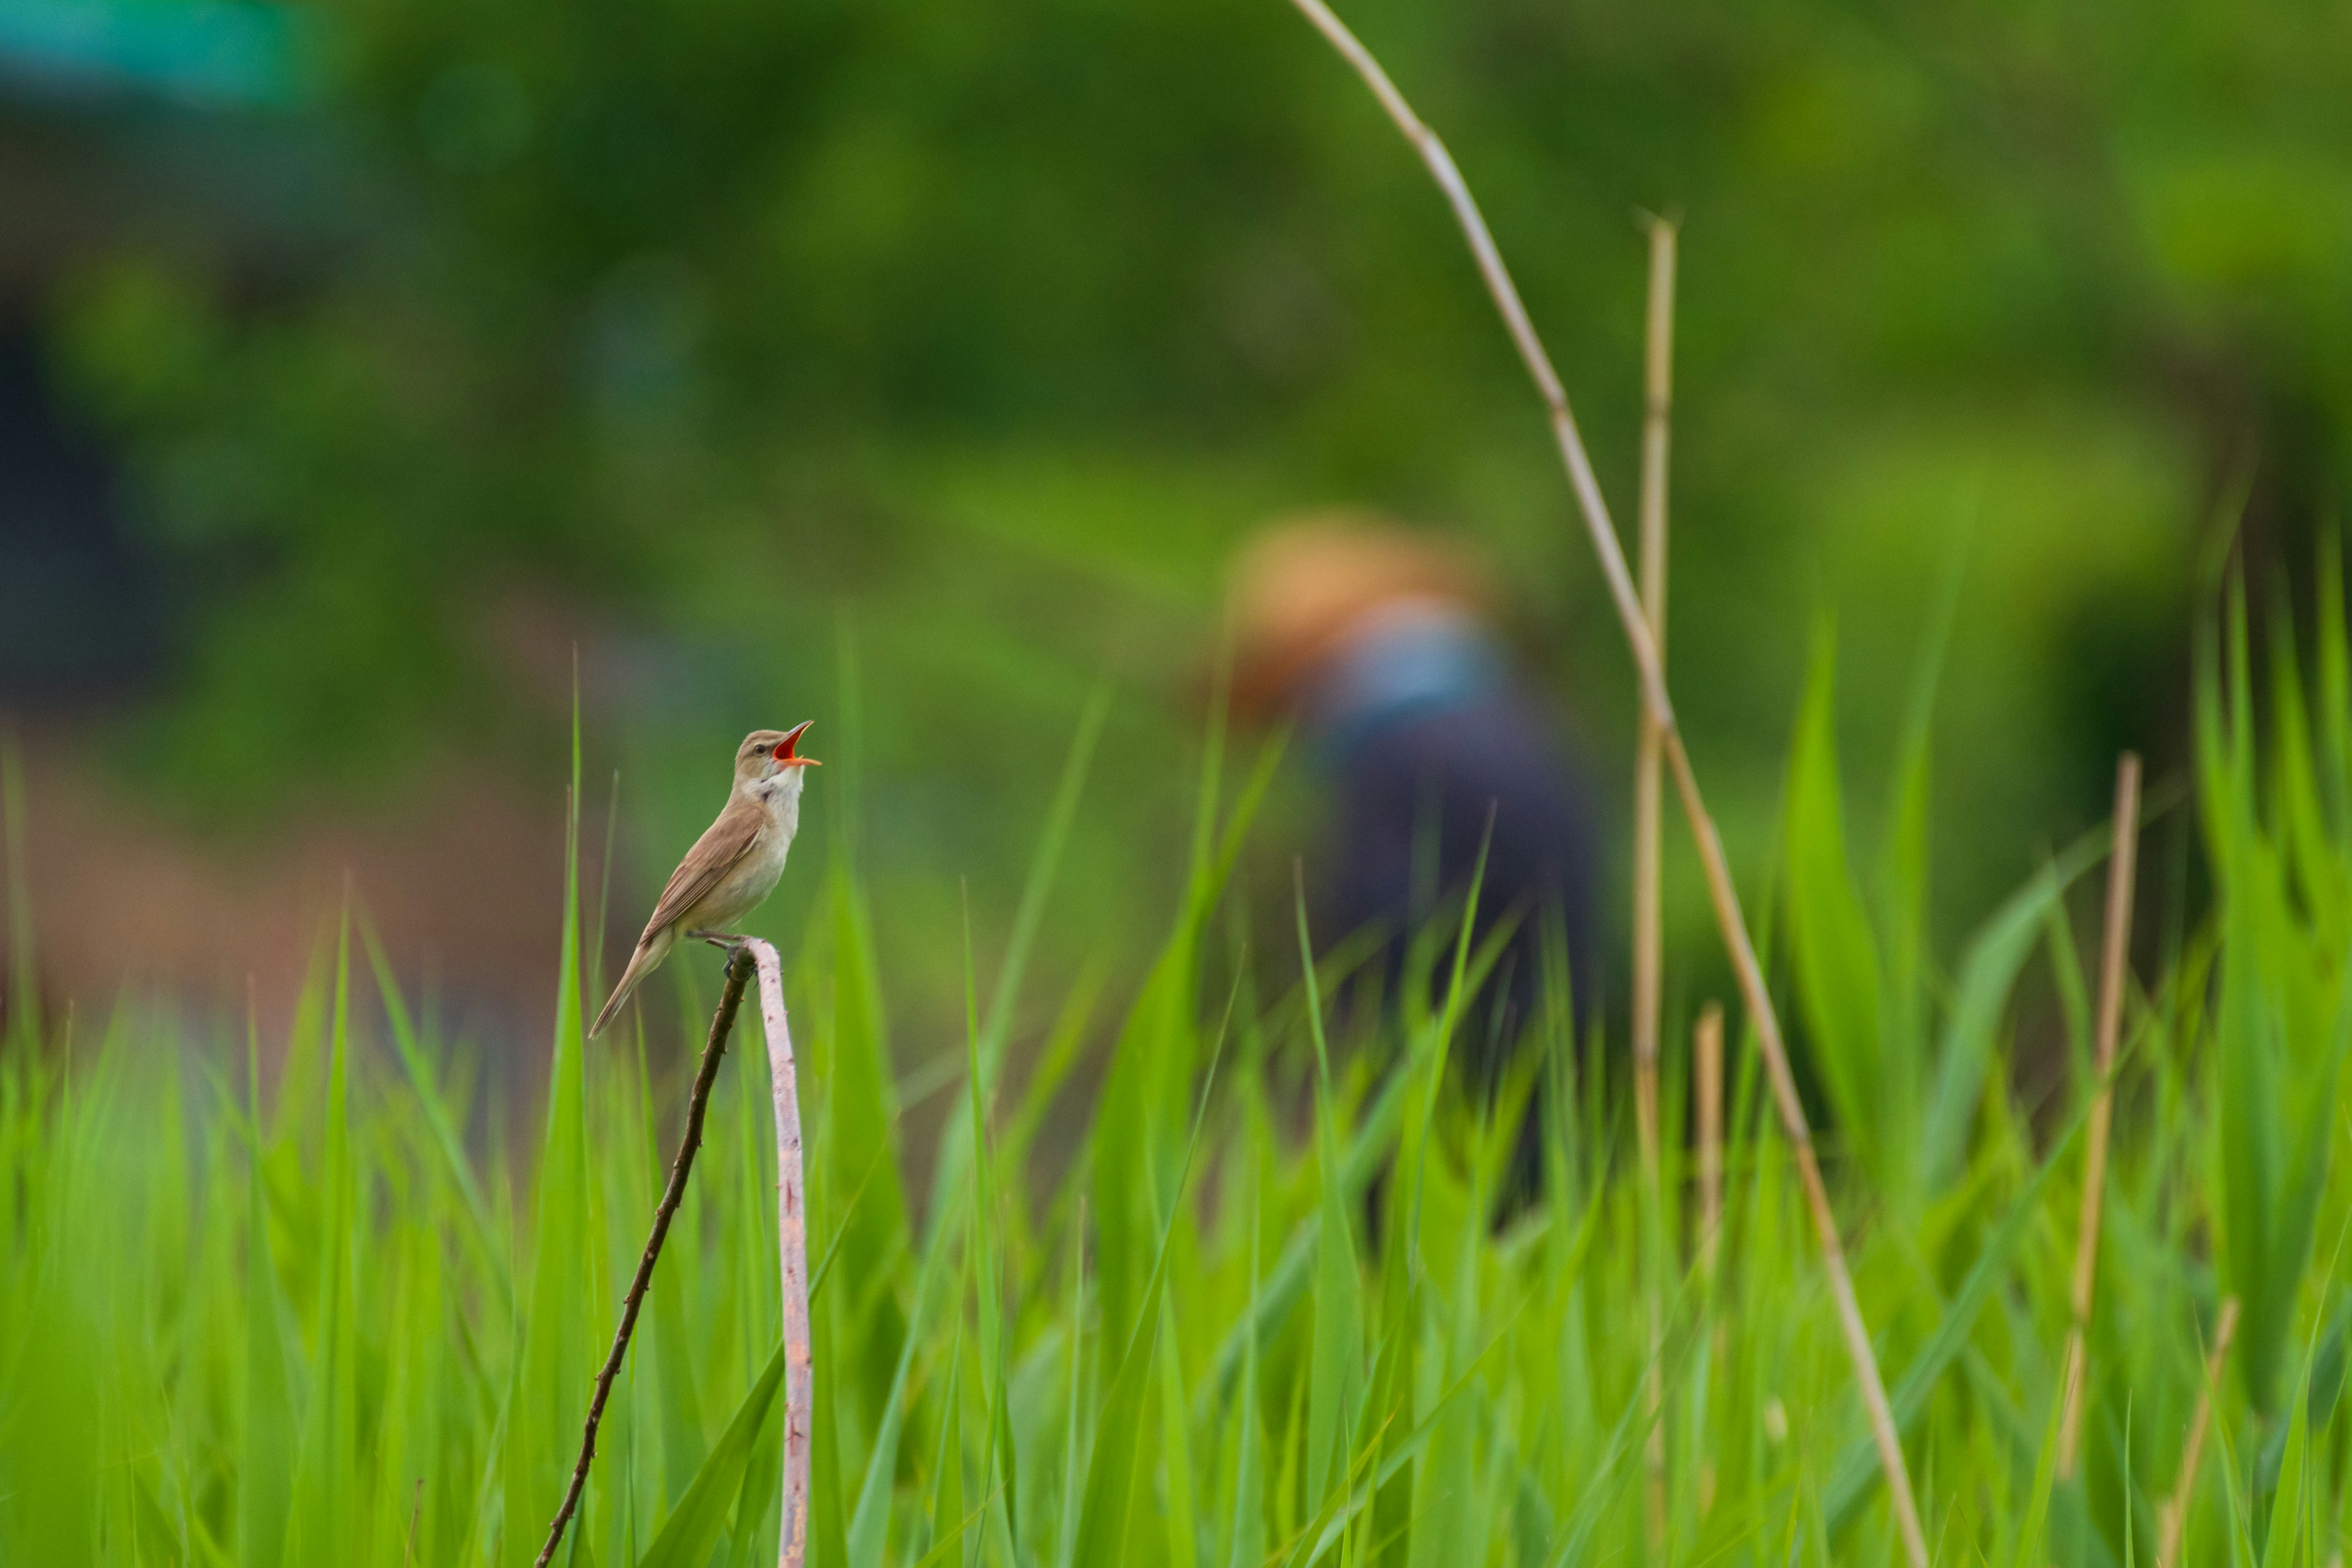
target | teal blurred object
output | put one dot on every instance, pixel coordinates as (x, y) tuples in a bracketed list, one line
[(212, 54)]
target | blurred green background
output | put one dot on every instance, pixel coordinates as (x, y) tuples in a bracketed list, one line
[(914, 366)]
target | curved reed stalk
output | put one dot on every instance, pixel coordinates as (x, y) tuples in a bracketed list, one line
[(1723, 894)]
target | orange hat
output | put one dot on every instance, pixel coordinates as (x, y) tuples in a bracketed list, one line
[(1305, 582)]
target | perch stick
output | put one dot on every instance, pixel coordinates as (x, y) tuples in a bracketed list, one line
[(792, 1239), (1657, 381), (2114, 964), (2175, 1518), (722, 1022), (1723, 894)]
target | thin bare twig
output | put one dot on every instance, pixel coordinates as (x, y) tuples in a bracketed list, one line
[(1722, 893), (722, 1022), (1658, 394), (791, 1244), (2114, 964), (2174, 1520)]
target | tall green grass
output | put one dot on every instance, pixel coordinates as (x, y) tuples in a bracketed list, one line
[(316, 1324)]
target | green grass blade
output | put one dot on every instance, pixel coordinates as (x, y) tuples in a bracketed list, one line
[(1858, 1469), (2030, 1545), (1989, 970), (691, 1533), (1836, 955), (869, 1523), (264, 1476), (1110, 1469), (1337, 1367), (1248, 1534), (559, 1348)]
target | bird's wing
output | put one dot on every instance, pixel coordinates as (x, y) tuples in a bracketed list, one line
[(721, 846)]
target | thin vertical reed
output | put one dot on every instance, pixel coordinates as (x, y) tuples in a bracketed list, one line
[(1657, 383), (1707, 1042), (2115, 963), (792, 1239), (2174, 1520), (1723, 894)]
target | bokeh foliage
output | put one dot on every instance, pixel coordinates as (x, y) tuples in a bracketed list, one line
[(997, 324)]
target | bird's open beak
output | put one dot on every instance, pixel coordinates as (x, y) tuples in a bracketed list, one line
[(786, 756)]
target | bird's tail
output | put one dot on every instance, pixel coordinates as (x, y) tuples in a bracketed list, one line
[(651, 951)]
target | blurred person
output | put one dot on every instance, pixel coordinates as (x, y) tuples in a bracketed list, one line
[(1379, 643)]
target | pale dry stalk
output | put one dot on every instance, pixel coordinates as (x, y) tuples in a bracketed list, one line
[(1722, 894), (792, 1245), (1657, 384), (1706, 1048), (2174, 1520), (1707, 1045), (2114, 965)]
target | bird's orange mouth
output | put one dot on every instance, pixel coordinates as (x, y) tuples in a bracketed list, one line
[(786, 755)]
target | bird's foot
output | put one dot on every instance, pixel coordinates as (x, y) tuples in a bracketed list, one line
[(719, 939)]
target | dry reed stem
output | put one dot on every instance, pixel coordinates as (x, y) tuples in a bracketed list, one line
[(1722, 894), (2114, 964), (792, 1239), (2174, 1520), (698, 1100), (1708, 1045), (1657, 381)]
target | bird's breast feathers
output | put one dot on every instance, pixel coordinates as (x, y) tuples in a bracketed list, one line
[(751, 878)]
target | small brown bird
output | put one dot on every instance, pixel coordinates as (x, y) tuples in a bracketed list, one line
[(733, 866)]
